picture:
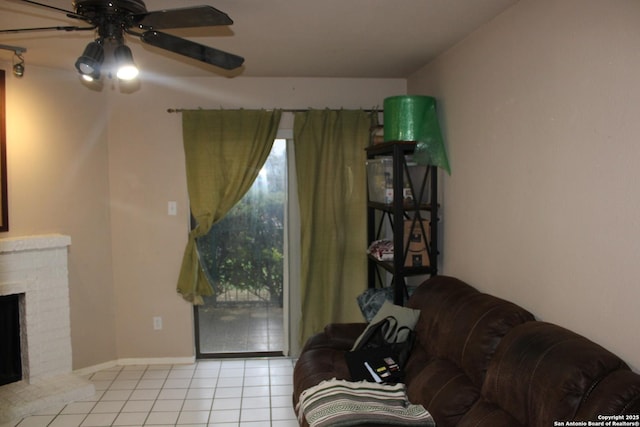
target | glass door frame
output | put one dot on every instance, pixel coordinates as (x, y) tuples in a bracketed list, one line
[(289, 249)]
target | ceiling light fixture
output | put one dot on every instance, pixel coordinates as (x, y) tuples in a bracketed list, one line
[(18, 60), (89, 63), (127, 69), (18, 66), (112, 20)]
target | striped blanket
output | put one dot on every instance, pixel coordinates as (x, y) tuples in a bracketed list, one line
[(338, 403)]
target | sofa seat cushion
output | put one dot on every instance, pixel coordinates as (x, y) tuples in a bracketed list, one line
[(486, 414), (444, 389)]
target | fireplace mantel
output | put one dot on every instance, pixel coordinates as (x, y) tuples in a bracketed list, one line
[(29, 243)]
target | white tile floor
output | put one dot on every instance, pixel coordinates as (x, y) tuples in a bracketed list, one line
[(209, 393)]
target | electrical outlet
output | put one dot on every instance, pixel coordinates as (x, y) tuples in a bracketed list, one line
[(157, 323)]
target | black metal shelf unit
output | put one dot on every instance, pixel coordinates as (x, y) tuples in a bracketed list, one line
[(413, 214)]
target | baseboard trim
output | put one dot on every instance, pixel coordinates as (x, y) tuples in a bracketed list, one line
[(136, 361)]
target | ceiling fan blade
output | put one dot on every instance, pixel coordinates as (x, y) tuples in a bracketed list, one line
[(193, 50), (199, 16), (58, 28), (69, 13)]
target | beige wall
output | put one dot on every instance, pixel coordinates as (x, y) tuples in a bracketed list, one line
[(540, 112), (146, 167), (101, 167), (57, 183)]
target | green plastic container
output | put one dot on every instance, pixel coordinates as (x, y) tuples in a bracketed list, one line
[(414, 118)]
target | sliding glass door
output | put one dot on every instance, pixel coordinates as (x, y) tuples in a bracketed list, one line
[(243, 257)]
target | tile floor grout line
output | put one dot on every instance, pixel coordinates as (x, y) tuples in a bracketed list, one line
[(274, 367), (146, 418)]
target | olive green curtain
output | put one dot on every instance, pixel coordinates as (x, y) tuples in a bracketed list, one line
[(224, 152), (330, 165)]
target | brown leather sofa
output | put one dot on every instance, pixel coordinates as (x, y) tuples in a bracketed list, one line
[(485, 362)]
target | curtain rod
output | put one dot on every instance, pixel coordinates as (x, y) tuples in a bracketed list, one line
[(284, 110)]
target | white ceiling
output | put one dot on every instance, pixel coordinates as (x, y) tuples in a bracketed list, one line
[(277, 38)]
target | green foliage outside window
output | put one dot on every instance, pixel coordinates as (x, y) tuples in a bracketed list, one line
[(244, 250)]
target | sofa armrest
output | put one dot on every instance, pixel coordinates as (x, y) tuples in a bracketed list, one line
[(339, 336), (344, 335), (617, 393)]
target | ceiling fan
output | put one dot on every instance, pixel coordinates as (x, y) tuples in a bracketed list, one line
[(112, 19)]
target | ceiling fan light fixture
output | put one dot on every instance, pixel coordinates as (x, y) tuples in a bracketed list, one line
[(89, 63), (111, 20), (127, 69)]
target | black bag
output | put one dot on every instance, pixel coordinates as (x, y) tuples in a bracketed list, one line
[(380, 356)]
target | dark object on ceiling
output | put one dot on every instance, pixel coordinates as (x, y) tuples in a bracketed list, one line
[(112, 19)]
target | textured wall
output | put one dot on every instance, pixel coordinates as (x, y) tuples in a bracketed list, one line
[(539, 110)]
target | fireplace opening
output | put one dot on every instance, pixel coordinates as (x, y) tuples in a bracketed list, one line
[(10, 353)]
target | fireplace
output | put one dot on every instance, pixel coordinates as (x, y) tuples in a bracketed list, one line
[(10, 353), (34, 272)]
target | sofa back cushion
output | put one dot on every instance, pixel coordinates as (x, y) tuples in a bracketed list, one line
[(457, 334), (543, 373)]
